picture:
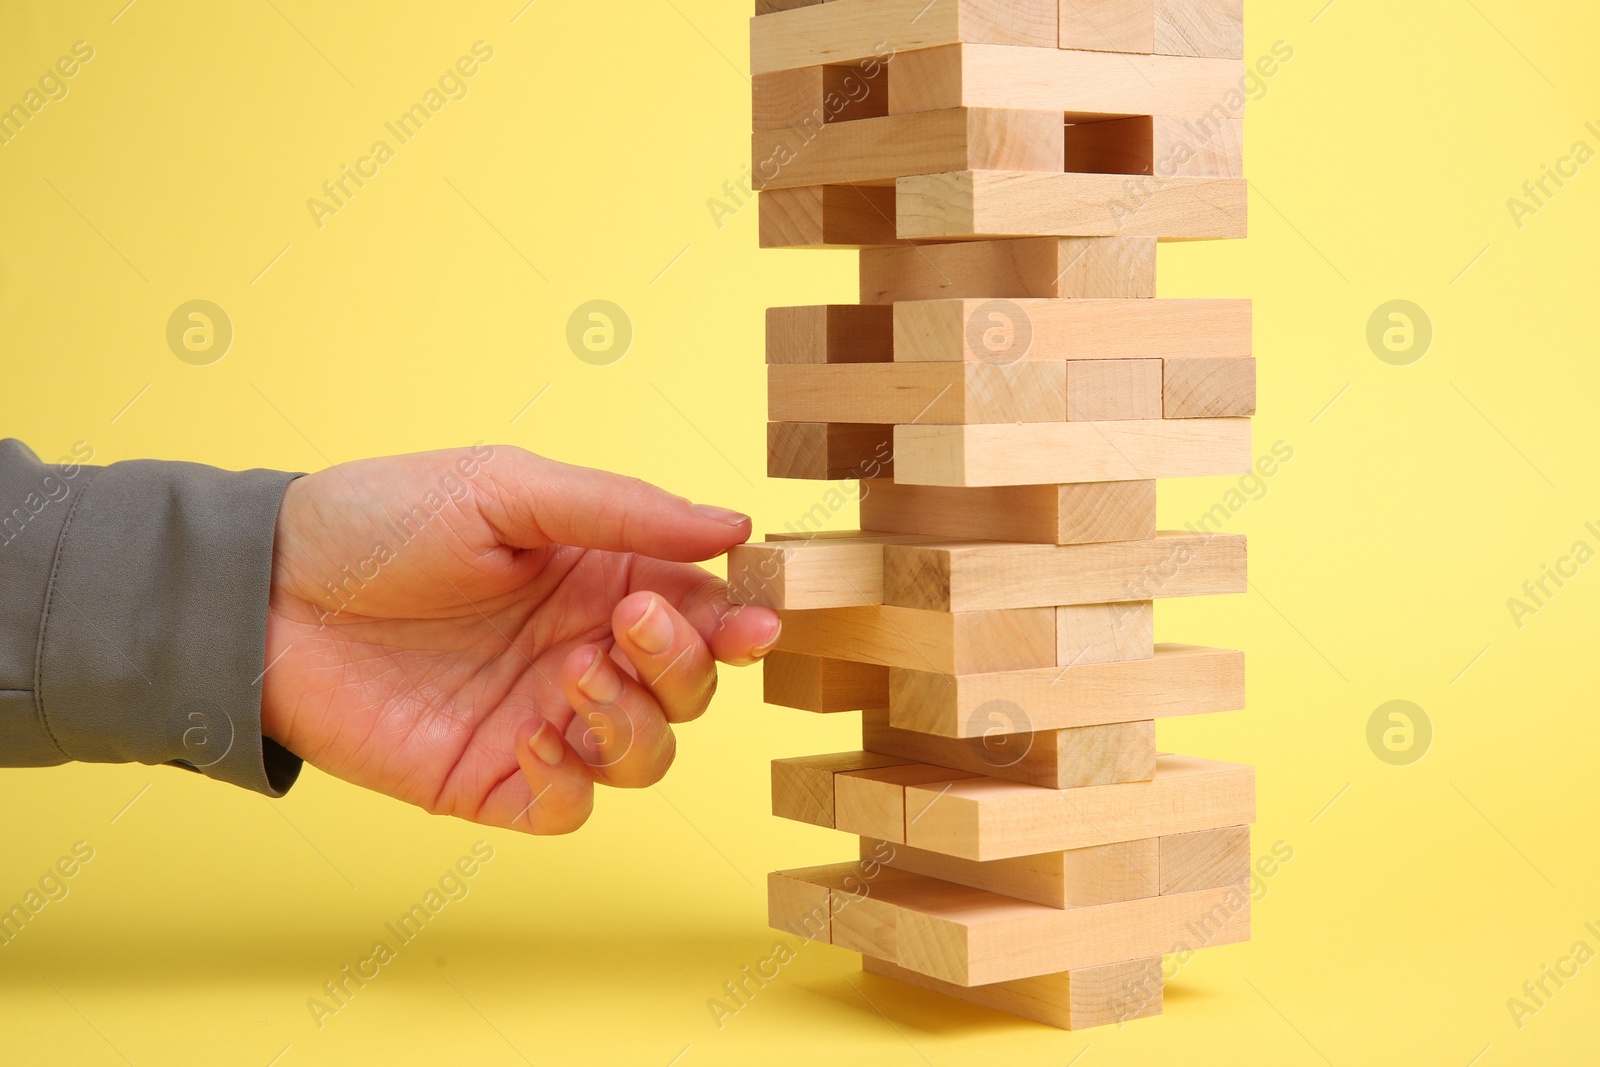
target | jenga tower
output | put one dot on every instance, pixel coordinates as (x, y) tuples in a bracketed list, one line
[(1008, 391)]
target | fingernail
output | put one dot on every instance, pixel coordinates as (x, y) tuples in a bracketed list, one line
[(771, 643), (723, 515), (653, 632), (600, 682), (546, 745)]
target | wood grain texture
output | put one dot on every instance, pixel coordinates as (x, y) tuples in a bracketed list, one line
[(926, 393), (1046, 267), (1112, 390), (802, 786), (1108, 25), (827, 216), (982, 576), (830, 333), (878, 150), (1056, 759), (1083, 877), (962, 643), (989, 819), (1178, 680), (1205, 858), (1070, 329), (800, 907), (846, 31), (1199, 28), (873, 802), (829, 451), (1208, 388), (1079, 513), (816, 572), (1048, 453), (971, 937), (1083, 85), (1105, 633), (1072, 1000), (824, 686), (987, 204)]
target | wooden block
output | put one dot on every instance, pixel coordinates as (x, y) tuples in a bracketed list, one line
[(1163, 145), (1208, 388), (926, 393), (1072, 1000), (873, 802), (972, 937), (972, 642), (827, 216), (1205, 859), (1078, 513), (1112, 390), (1083, 85), (767, 7), (982, 576), (1057, 759), (830, 333), (1048, 453), (1083, 877), (799, 907), (1178, 680), (828, 451), (878, 150), (990, 819), (812, 572), (802, 787), (1047, 267), (1105, 633), (1199, 28), (811, 97), (1017, 203), (811, 683), (1108, 25), (848, 31), (1048, 330)]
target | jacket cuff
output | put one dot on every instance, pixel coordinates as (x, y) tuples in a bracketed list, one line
[(154, 635)]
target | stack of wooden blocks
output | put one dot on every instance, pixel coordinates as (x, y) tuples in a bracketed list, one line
[(1008, 390)]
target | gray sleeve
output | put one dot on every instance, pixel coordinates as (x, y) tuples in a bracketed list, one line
[(133, 615)]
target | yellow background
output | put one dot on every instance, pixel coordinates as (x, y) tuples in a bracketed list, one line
[(433, 308)]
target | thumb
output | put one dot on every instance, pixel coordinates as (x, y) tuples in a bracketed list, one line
[(534, 502)]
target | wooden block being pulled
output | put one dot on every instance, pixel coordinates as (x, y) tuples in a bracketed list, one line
[(1048, 453), (990, 819), (1108, 25), (814, 572), (848, 31), (1047, 267), (873, 802), (1005, 330), (1208, 388), (1083, 877), (927, 393), (969, 642), (1205, 858), (972, 937), (829, 451), (1105, 633), (802, 787), (1075, 513), (1071, 1000), (811, 97), (826, 686), (1178, 680), (828, 216), (1056, 759), (830, 333), (984, 576), (1213, 28), (1112, 390), (987, 204), (1083, 85), (875, 151)]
